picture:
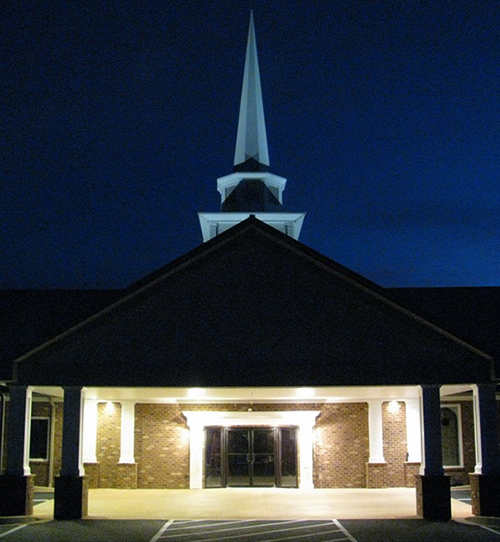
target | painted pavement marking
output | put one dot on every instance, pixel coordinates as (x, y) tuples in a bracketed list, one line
[(14, 529), (256, 530), (490, 529), (485, 527), (244, 522), (344, 530), (244, 526), (162, 530)]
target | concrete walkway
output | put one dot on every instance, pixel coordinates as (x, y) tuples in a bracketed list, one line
[(229, 503)]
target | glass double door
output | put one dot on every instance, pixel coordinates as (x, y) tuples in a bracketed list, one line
[(251, 457)]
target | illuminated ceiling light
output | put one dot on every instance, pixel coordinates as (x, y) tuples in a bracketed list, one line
[(109, 408), (195, 393), (305, 392), (393, 407)]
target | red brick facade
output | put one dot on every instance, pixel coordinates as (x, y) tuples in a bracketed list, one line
[(341, 445), (395, 447), (161, 446)]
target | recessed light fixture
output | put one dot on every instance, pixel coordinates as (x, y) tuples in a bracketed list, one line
[(305, 392), (195, 393)]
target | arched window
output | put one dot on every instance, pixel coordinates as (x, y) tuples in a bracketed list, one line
[(450, 436)]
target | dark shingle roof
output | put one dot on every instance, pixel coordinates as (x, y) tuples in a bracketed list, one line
[(28, 318), (253, 307), (472, 313)]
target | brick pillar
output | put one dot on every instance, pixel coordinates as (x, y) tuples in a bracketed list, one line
[(433, 487), (16, 485), (71, 488), (485, 482)]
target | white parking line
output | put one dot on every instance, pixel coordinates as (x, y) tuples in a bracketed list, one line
[(489, 529), (293, 537), (345, 531), (232, 530), (243, 535), (161, 531), (13, 530), (467, 522), (245, 527), (224, 523)]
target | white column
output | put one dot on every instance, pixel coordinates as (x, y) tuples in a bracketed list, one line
[(18, 435), (90, 431), (127, 432), (432, 454), (486, 429), (413, 431), (72, 456), (306, 449), (375, 431), (196, 434)]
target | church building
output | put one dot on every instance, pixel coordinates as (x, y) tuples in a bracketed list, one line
[(251, 361)]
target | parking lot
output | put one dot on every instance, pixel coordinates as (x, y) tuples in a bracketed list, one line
[(413, 530)]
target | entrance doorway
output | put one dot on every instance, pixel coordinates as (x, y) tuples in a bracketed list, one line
[(251, 457)]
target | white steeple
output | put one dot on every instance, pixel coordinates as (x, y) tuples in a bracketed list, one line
[(251, 140), (251, 189)]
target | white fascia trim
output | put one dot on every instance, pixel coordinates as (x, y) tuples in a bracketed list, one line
[(250, 419)]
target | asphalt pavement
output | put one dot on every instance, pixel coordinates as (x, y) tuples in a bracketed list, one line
[(412, 530)]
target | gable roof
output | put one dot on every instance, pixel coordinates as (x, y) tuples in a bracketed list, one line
[(29, 318), (471, 313), (253, 307)]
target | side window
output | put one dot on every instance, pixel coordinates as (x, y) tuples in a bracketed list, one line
[(39, 439), (451, 436)]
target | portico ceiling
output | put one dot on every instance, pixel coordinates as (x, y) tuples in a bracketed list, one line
[(254, 395)]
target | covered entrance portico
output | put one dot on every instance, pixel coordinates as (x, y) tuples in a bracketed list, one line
[(304, 409)]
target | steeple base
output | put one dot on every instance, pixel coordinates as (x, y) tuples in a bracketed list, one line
[(212, 224)]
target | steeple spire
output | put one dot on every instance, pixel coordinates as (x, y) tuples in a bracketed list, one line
[(251, 152), (251, 189)]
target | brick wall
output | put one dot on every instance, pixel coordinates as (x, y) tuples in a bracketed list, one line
[(108, 442), (161, 447), (342, 447), (162, 439)]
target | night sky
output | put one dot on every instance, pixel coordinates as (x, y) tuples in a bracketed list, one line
[(118, 116)]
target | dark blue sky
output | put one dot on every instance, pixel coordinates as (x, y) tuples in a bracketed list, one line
[(118, 117)]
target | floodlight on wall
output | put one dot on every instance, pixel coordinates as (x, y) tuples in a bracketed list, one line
[(393, 407)]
